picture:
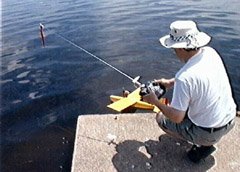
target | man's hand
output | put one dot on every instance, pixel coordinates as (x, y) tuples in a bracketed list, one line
[(168, 83), (150, 98)]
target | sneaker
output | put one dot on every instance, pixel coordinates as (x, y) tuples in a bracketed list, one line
[(197, 153)]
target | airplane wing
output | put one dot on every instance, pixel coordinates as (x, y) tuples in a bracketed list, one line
[(126, 102)]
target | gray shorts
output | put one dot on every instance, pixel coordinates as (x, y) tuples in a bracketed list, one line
[(192, 133)]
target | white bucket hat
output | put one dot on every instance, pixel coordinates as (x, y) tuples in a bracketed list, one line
[(184, 34)]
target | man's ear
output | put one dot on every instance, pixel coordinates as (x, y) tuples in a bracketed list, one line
[(183, 49)]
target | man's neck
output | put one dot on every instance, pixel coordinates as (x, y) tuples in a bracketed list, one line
[(190, 54)]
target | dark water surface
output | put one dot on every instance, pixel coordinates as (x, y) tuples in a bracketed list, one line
[(43, 90)]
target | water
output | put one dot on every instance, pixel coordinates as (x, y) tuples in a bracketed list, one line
[(43, 90)]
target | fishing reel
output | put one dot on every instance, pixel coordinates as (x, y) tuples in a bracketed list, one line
[(158, 89)]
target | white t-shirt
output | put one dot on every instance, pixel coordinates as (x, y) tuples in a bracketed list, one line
[(202, 87)]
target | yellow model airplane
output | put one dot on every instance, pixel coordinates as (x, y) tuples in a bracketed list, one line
[(133, 100)]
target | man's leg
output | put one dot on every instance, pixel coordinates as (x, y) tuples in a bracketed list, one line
[(186, 130), (181, 130), (160, 120)]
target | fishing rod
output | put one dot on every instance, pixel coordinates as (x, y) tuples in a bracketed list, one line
[(157, 88), (134, 80)]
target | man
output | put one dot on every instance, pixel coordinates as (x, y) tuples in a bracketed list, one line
[(202, 109)]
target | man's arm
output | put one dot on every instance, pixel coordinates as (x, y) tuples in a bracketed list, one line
[(173, 114), (168, 83)]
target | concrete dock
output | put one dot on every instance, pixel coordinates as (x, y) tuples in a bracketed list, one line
[(134, 142)]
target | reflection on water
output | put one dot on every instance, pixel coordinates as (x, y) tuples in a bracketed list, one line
[(43, 90), (46, 120), (23, 75)]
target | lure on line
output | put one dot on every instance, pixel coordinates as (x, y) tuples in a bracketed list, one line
[(42, 35)]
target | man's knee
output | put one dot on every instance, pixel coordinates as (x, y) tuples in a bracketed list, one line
[(161, 120)]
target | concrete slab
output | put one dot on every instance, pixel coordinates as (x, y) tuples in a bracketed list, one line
[(134, 142)]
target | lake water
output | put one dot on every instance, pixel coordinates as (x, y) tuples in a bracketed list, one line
[(43, 90)]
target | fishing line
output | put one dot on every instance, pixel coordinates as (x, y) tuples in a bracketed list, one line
[(96, 57), (134, 80)]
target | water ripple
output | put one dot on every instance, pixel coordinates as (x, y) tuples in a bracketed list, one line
[(43, 86)]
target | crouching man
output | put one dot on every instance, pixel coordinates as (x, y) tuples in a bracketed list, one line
[(202, 109)]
